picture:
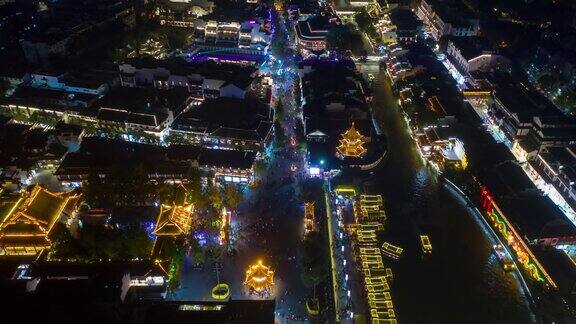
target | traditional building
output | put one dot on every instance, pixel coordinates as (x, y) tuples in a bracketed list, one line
[(259, 278), (26, 228), (175, 219), (351, 144)]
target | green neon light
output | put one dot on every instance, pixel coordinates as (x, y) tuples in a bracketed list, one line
[(534, 268), (500, 222), (529, 265)]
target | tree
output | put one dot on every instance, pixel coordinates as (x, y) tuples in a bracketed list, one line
[(567, 100), (314, 262), (311, 189), (196, 252), (165, 193), (260, 168), (233, 196), (365, 23), (279, 112), (280, 135), (194, 185), (98, 242), (338, 38), (345, 38), (363, 19), (548, 82), (129, 185), (4, 86), (215, 197), (95, 192), (64, 244), (175, 270)]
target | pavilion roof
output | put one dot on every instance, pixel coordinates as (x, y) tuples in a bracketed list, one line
[(30, 219), (352, 135), (174, 219)]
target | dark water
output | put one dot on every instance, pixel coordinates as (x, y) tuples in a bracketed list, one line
[(462, 282)]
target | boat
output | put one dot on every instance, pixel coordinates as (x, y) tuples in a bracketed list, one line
[(391, 251), (504, 257), (426, 245)]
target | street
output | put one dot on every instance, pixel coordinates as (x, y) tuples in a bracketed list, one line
[(268, 225)]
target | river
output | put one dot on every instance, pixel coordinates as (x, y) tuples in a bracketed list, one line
[(462, 282)]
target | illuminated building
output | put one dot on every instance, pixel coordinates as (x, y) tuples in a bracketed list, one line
[(352, 143), (448, 19), (259, 277), (226, 122), (370, 260), (182, 13), (437, 144), (334, 94), (174, 220), (311, 34), (27, 225), (474, 53)]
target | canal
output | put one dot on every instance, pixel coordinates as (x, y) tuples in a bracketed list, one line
[(462, 282)]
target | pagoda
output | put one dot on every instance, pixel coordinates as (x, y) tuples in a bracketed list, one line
[(259, 277), (351, 144)]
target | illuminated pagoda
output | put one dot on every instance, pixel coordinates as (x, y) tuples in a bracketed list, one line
[(26, 226), (259, 278), (351, 144)]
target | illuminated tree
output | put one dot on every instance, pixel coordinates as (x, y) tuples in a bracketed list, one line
[(215, 197), (233, 196)]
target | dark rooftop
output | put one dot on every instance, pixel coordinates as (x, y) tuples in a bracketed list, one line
[(470, 47), (101, 155), (536, 217), (145, 100), (404, 19), (507, 179), (314, 28), (227, 158), (559, 266), (228, 117)]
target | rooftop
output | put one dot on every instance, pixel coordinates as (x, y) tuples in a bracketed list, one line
[(101, 155), (520, 99), (507, 179), (537, 217), (315, 28), (404, 19), (558, 264), (228, 117), (141, 104), (453, 12), (470, 47)]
